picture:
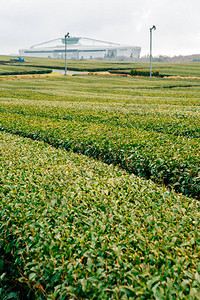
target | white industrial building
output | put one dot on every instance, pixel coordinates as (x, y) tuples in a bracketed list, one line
[(81, 48)]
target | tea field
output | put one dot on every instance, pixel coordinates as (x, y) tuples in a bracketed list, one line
[(100, 188), (7, 68), (169, 69)]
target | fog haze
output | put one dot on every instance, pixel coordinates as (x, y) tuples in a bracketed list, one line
[(25, 23)]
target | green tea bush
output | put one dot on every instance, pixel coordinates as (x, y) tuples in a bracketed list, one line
[(148, 127), (166, 159), (26, 72), (75, 228), (136, 72)]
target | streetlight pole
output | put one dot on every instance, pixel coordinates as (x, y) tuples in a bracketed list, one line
[(152, 28), (66, 36)]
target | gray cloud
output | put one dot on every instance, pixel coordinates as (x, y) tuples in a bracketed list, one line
[(27, 22)]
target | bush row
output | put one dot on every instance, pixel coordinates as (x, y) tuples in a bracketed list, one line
[(72, 227), (166, 159), (171, 122), (85, 68), (124, 72), (136, 72), (26, 72)]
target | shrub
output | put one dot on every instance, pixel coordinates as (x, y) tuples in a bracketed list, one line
[(136, 72)]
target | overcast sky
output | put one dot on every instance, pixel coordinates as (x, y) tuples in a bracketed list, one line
[(27, 22)]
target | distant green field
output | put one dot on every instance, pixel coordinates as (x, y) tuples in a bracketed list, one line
[(17, 69), (99, 187), (178, 69)]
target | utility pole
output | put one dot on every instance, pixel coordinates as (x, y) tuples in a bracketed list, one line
[(151, 29), (66, 36)]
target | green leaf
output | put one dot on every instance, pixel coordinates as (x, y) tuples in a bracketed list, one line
[(31, 276), (84, 284), (128, 290), (151, 282)]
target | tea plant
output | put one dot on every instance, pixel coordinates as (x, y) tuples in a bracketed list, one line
[(148, 127), (76, 228)]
